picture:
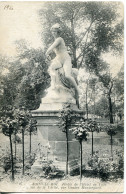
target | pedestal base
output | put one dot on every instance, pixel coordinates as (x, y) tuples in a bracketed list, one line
[(53, 145)]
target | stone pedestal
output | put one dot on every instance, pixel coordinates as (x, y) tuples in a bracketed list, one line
[(53, 145)]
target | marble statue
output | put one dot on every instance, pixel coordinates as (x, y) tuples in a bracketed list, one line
[(63, 77), (63, 89)]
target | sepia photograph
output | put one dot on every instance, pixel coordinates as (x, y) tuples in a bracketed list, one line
[(61, 96)]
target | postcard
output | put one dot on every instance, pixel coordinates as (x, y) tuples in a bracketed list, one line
[(62, 96)]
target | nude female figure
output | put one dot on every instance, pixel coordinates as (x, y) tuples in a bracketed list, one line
[(62, 58)]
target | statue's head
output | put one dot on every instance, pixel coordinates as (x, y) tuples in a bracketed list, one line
[(56, 29)]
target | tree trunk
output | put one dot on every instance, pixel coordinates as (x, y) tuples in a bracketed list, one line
[(120, 116), (15, 145), (67, 159), (111, 147), (87, 110), (92, 143), (110, 109), (94, 101), (80, 160), (12, 162), (23, 149), (73, 44), (30, 141), (74, 58), (86, 103)]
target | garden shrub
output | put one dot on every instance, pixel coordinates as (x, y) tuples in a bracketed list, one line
[(93, 163), (6, 162), (29, 160), (5, 159), (48, 168), (76, 171), (120, 166), (50, 171), (105, 167)]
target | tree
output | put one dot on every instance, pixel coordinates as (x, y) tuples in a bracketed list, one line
[(89, 29), (4, 62), (107, 82), (86, 93), (8, 94), (101, 107), (23, 120), (16, 139), (34, 79), (114, 91), (88, 97), (89, 85), (31, 128), (81, 133), (119, 93), (26, 79), (9, 125), (111, 132), (65, 119), (93, 85), (93, 126)]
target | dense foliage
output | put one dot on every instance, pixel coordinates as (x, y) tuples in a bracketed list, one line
[(89, 29), (104, 167)]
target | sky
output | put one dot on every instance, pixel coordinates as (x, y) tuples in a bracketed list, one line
[(19, 20)]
